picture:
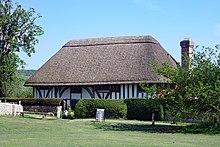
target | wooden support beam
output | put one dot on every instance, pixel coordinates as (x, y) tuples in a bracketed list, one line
[(89, 91), (48, 92), (62, 91)]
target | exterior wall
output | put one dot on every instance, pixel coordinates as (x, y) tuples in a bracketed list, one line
[(76, 96), (72, 94), (124, 91), (66, 94), (85, 93)]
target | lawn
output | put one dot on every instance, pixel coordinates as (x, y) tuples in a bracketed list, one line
[(32, 131)]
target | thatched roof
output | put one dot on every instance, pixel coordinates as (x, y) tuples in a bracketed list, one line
[(114, 60)]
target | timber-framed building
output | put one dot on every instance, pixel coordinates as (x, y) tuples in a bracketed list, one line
[(109, 68)]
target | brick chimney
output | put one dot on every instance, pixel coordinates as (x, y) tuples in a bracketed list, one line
[(187, 46)]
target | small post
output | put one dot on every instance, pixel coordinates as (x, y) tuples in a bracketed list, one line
[(153, 115), (64, 105), (13, 110), (59, 109)]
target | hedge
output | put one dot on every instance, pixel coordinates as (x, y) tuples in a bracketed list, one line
[(142, 109), (86, 108), (36, 101)]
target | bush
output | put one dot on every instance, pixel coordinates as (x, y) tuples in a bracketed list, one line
[(201, 129), (142, 109), (68, 114), (86, 108), (36, 101)]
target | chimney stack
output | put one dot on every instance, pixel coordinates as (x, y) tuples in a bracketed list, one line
[(187, 46)]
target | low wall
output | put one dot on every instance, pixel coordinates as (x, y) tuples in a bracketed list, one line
[(45, 109), (10, 109), (56, 110)]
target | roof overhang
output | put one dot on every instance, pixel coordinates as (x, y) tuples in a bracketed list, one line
[(94, 83)]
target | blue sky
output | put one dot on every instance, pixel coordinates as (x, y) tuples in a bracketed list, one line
[(168, 21)]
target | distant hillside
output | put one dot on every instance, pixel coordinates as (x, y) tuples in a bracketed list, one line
[(26, 73)]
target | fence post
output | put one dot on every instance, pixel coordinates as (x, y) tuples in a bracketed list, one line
[(153, 115)]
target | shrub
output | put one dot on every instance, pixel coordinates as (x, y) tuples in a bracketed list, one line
[(142, 109), (201, 129), (86, 108), (68, 114), (36, 101)]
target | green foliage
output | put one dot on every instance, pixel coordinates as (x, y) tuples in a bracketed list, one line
[(18, 32), (149, 89), (36, 101), (196, 91), (68, 114), (8, 76), (25, 92), (201, 129), (16, 89), (19, 91), (86, 108), (142, 109), (161, 112), (205, 82), (25, 72)]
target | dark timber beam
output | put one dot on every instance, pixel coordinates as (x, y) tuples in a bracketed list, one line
[(89, 91), (62, 91), (48, 92), (39, 92)]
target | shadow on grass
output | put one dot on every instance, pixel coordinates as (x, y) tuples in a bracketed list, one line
[(159, 128), (138, 127), (39, 117)]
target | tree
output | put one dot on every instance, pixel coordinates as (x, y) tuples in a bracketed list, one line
[(196, 91), (18, 32), (205, 83), (19, 91)]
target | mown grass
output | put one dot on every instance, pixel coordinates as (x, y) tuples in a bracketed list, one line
[(185, 128), (34, 131)]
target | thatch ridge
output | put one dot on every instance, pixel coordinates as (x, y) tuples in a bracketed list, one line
[(111, 40)]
